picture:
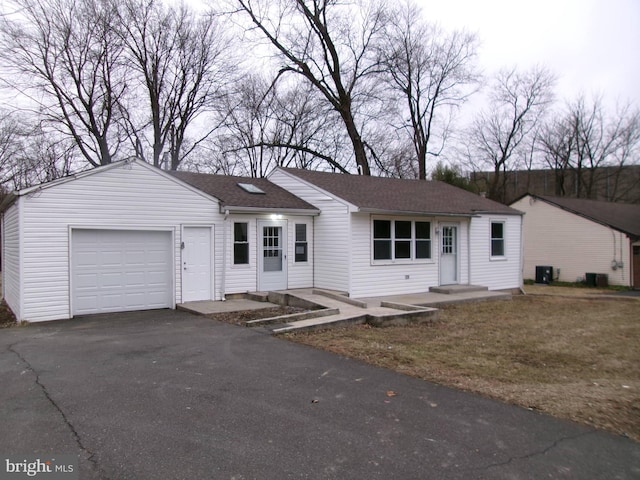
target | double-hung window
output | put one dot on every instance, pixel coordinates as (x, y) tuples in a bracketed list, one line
[(497, 239), (301, 243), (240, 243), (401, 240)]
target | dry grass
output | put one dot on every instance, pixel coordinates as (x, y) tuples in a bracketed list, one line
[(570, 357)]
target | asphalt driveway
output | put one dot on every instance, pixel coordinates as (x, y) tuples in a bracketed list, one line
[(169, 395)]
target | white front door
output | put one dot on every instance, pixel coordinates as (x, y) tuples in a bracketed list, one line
[(272, 257), (196, 264), (448, 254)]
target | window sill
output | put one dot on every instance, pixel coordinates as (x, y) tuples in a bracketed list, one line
[(425, 261), (498, 259)]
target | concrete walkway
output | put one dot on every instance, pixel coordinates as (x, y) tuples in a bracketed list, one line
[(328, 308)]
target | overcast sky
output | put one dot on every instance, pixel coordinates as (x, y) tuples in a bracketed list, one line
[(593, 46)]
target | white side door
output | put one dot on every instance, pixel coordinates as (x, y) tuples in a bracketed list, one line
[(272, 255), (448, 254), (196, 264)]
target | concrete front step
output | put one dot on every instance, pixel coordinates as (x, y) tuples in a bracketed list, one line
[(318, 323), (293, 317), (385, 316), (453, 289), (468, 297)]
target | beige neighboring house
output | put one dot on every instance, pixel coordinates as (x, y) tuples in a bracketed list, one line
[(578, 237)]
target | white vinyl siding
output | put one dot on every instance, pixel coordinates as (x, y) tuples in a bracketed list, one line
[(300, 273), (11, 277), (243, 278), (331, 233), (574, 244), (497, 273), (129, 196), (370, 279)]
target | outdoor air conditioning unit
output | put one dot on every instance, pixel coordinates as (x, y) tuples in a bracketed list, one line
[(544, 274)]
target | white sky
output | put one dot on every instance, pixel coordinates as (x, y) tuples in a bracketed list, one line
[(593, 46)]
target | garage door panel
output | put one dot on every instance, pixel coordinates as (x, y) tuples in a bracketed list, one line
[(121, 270)]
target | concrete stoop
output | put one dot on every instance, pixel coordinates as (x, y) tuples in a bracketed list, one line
[(456, 289), (339, 310)]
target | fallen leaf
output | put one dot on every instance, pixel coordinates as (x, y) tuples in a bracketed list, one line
[(391, 393)]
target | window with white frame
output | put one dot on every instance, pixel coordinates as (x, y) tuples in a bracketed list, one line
[(497, 239), (401, 240), (240, 243), (301, 243)]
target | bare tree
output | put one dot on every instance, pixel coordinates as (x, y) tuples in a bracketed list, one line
[(331, 45), (433, 72), (69, 54), (588, 147), (517, 103), (181, 58), (10, 147), (269, 125), (30, 155)]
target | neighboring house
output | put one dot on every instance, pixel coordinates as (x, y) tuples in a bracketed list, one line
[(382, 236), (129, 236), (576, 237)]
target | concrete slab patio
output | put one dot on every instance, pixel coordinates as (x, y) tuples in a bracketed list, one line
[(166, 394), (335, 309)]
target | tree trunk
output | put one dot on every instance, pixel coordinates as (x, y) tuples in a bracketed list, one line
[(356, 141)]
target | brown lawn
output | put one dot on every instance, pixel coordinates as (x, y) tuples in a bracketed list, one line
[(572, 357)]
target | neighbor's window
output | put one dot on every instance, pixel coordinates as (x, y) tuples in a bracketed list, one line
[(240, 243), (301, 242), (401, 240), (497, 239)]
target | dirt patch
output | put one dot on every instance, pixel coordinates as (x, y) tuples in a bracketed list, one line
[(239, 318), (573, 358), (7, 318)]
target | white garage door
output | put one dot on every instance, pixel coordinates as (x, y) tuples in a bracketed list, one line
[(120, 270)]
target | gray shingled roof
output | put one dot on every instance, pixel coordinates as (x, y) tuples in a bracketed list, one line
[(624, 217), (226, 189), (402, 196)]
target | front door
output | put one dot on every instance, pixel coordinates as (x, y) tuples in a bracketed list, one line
[(449, 255), (196, 264), (272, 260)]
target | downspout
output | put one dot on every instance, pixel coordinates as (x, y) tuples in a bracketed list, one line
[(469, 251), (224, 256), (521, 279)]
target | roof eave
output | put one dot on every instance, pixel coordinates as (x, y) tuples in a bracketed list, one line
[(382, 211), (288, 211)]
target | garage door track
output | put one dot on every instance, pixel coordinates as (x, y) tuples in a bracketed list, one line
[(169, 395)]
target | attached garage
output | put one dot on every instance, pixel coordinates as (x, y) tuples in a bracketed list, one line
[(120, 270), (109, 239), (129, 236)]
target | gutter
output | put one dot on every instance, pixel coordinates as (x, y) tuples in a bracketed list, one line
[(226, 209), (381, 211)]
